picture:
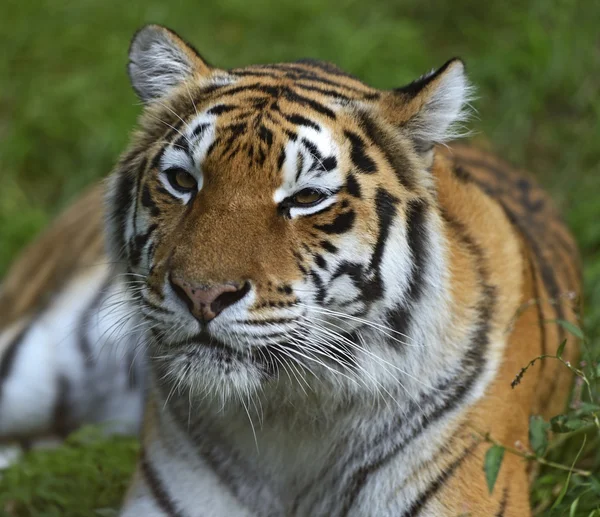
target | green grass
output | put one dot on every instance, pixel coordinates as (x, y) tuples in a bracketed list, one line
[(66, 109), (85, 476)]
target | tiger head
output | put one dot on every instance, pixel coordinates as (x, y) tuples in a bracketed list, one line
[(279, 222)]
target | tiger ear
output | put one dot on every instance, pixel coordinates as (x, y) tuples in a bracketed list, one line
[(430, 110), (159, 60)]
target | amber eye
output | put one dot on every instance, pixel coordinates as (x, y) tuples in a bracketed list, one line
[(181, 180), (307, 197)]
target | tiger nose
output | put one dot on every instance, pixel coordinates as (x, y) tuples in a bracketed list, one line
[(206, 302)]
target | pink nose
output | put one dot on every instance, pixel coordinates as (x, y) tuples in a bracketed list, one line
[(206, 302)]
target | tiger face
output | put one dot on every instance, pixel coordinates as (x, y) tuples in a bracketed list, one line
[(278, 223)]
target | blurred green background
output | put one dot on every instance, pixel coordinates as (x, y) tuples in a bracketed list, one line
[(66, 107)]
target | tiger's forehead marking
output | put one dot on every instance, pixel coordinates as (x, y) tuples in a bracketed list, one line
[(312, 160), (308, 155)]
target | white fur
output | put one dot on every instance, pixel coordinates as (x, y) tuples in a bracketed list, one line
[(442, 116), (50, 350), (156, 63), (326, 183)]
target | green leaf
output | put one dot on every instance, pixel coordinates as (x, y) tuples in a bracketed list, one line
[(492, 464), (570, 327), (574, 424), (538, 435), (565, 424), (573, 509), (561, 348), (586, 407)]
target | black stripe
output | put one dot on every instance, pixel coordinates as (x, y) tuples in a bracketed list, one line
[(325, 165), (182, 143), (341, 224), (199, 129), (299, 166), (148, 202), (413, 88), (358, 154), (311, 73), (385, 207), (139, 174), (229, 90), (156, 487), (324, 91), (352, 186), (267, 321), (121, 201), (266, 135), (319, 286), (545, 269), (522, 185), (291, 135), (312, 149), (60, 414), (320, 261), (386, 143), (8, 359), (281, 158), (255, 73), (299, 120), (421, 502), (285, 289), (232, 144), (155, 163), (417, 239), (138, 243), (312, 104), (219, 109), (461, 174), (503, 503), (328, 246), (85, 324)]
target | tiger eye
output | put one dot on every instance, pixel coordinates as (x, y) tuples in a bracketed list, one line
[(181, 180), (307, 197), (185, 180)]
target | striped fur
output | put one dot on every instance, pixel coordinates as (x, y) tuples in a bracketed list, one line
[(381, 326), (67, 341)]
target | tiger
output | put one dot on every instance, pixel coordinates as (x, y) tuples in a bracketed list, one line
[(324, 297)]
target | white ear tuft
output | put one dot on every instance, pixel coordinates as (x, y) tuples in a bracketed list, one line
[(438, 104), (160, 60)]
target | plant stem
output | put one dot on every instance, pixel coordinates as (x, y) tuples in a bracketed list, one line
[(530, 456)]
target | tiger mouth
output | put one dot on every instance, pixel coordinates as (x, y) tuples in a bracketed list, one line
[(208, 341)]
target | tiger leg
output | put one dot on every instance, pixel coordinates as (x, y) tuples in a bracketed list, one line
[(71, 363)]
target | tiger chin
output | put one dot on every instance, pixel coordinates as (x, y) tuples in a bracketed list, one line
[(334, 301)]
